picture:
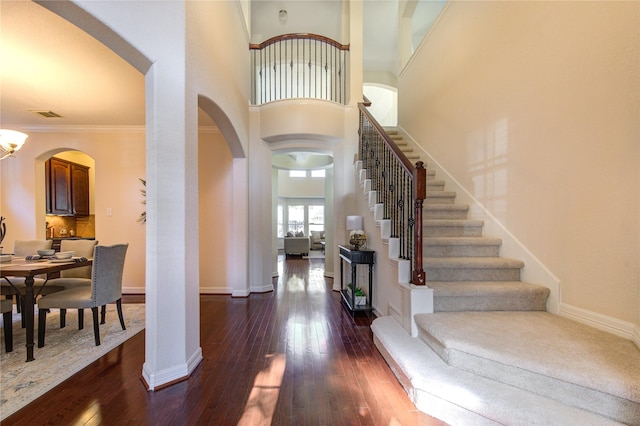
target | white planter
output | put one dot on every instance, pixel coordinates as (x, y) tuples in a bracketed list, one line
[(359, 300)]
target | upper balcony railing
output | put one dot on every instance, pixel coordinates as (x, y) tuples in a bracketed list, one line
[(294, 66)]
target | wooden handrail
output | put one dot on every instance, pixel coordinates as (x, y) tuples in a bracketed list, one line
[(399, 154), (295, 36), (412, 244)]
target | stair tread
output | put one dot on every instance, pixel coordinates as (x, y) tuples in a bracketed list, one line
[(453, 222), (441, 194), (542, 353), (462, 241), (471, 262), (436, 207)]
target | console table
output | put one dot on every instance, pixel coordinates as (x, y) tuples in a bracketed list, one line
[(355, 258)]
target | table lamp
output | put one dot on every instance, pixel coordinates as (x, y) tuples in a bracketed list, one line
[(357, 237)]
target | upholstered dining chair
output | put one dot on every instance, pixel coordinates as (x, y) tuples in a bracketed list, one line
[(12, 286), (6, 306), (75, 277), (106, 287), (80, 248)]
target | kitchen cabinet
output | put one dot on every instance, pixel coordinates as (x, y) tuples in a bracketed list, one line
[(67, 188)]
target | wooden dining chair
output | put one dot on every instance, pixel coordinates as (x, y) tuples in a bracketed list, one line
[(13, 286), (6, 306), (106, 287)]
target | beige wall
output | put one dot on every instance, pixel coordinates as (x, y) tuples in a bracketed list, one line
[(533, 108), (299, 187), (119, 163), (215, 190)]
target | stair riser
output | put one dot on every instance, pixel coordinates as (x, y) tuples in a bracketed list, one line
[(461, 251), (433, 199), (472, 274), (488, 303), (453, 231), (444, 214)]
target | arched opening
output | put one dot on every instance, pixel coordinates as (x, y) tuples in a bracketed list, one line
[(301, 182), (215, 206), (80, 224)]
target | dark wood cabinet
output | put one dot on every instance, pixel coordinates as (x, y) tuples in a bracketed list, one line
[(67, 188), (80, 189)]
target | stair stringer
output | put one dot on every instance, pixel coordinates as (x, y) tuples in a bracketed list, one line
[(534, 270), (391, 270)]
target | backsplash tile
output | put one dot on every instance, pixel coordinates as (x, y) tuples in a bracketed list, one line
[(82, 226)]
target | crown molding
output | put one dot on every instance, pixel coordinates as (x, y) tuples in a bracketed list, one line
[(99, 129), (83, 129)]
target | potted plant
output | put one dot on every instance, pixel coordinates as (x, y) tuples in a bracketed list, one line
[(361, 298)]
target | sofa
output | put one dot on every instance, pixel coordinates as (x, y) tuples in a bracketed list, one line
[(317, 238), (296, 245)]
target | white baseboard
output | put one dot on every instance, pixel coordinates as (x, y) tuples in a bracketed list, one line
[(170, 375), (602, 322)]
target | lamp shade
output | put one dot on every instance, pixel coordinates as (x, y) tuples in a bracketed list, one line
[(354, 222)]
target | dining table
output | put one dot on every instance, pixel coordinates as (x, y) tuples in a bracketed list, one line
[(29, 268)]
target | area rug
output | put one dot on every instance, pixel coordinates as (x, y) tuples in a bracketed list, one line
[(66, 352), (314, 254)]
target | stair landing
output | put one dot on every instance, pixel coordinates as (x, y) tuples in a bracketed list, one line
[(457, 396), (542, 353)]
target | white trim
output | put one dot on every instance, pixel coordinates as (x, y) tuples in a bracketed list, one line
[(395, 313), (240, 293), (175, 373), (100, 129), (85, 129), (602, 322), (636, 335), (261, 289)]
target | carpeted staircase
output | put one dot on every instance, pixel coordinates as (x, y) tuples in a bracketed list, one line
[(464, 268), (490, 354)]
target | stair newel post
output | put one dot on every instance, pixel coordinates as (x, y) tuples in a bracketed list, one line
[(419, 195)]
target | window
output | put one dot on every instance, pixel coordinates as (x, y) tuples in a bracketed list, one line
[(303, 216), (318, 173), (297, 173), (316, 218), (296, 218), (280, 220)]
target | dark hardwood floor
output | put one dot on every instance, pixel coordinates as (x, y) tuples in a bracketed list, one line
[(294, 356)]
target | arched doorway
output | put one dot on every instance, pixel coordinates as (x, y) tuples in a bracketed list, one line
[(81, 224)]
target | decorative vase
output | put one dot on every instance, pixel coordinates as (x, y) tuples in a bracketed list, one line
[(358, 240)]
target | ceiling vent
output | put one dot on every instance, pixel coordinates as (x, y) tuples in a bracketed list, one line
[(45, 113)]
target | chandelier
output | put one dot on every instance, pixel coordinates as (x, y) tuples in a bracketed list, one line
[(10, 142)]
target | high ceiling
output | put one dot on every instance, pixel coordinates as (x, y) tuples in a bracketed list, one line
[(50, 65)]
